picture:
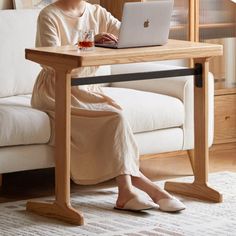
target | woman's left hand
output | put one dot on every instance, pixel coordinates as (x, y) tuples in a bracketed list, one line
[(105, 38)]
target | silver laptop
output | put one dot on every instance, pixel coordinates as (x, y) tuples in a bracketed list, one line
[(144, 24)]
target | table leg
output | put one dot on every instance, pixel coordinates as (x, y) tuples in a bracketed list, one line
[(61, 208), (199, 188)]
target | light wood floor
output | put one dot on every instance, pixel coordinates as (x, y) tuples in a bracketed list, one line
[(31, 184)]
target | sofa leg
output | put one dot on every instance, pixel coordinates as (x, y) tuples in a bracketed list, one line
[(1, 177), (191, 159)]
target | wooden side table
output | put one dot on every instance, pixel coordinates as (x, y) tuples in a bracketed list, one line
[(64, 59)]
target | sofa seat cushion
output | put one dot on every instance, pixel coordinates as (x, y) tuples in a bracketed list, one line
[(20, 124), (147, 111)]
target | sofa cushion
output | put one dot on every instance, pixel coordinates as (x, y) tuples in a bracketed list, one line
[(147, 111), (17, 74), (20, 124)]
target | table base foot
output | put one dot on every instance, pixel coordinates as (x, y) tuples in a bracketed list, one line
[(197, 190), (54, 210)]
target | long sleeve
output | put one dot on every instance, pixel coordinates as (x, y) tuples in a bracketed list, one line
[(112, 24)]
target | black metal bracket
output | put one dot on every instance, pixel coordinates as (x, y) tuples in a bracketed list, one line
[(197, 72), (198, 75)]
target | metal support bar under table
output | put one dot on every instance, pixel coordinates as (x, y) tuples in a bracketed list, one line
[(196, 71)]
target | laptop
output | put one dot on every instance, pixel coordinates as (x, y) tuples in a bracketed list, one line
[(144, 24)]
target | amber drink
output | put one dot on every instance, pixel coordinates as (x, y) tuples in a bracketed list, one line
[(86, 40)]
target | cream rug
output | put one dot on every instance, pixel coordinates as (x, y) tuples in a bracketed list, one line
[(200, 218)]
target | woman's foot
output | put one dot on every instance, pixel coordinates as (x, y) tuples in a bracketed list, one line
[(171, 205), (124, 197), (128, 199), (135, 203), (167, 202), (159, 196)]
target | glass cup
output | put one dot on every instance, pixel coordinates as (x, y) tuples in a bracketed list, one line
[(86, 40)]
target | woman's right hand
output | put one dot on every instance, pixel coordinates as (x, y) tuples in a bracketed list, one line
[(105, 38)]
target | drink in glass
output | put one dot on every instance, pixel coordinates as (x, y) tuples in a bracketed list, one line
[(86, 40)]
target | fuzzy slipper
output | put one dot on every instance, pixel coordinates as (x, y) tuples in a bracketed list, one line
[(136, 204), (171, 205)]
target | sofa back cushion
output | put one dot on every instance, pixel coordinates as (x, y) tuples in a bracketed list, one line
[(17, 32)]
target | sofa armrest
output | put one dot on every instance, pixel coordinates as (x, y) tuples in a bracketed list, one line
[(178, 87), (169, 86)]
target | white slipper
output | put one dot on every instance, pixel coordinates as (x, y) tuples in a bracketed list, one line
[(136, 204), (171, 205)]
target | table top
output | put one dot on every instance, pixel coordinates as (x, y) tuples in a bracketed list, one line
[(174, 49)]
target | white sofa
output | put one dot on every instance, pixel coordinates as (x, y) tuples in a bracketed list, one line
[(160, 112)]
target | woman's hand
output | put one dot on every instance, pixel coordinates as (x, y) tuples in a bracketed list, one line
[(105, 38)]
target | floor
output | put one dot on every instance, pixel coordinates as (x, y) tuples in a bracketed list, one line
[(32, 184)]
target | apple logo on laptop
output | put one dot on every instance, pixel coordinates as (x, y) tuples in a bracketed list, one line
[(146, 23)]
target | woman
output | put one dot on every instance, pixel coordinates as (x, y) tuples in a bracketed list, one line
[(103, 145)]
